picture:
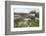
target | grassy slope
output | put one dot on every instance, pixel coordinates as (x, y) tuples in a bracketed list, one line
[(20, 22)]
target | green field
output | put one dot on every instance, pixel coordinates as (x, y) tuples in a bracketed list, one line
[(31, 22)]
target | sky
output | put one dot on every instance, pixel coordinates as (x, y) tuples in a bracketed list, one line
[(23, 9)]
